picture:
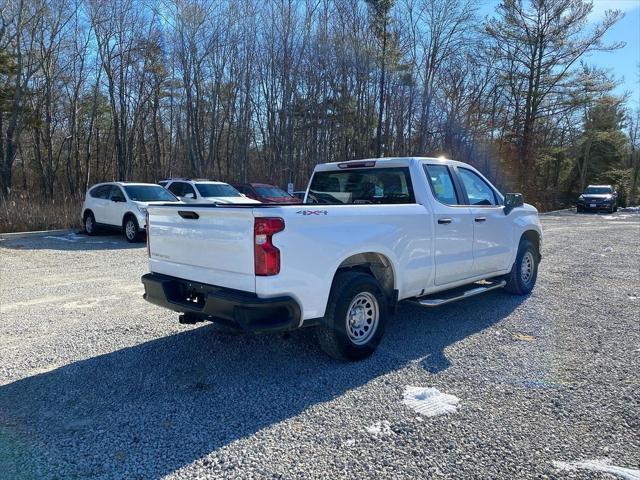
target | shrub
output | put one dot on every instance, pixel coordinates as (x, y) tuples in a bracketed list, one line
[(21, 213)]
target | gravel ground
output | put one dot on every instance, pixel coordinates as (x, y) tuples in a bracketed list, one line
[(96, 383)]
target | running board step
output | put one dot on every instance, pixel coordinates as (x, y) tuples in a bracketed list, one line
[(459, 293)]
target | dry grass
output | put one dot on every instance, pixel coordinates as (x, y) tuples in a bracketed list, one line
[(19, 213)]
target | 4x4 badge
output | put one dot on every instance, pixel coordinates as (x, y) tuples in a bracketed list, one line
[(312, 212)]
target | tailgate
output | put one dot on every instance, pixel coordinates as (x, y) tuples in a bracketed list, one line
[(212, 245)]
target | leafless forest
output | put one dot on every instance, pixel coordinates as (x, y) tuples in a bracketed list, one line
[(94, 90)]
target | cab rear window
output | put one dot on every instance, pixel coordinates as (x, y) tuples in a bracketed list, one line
[(362, 186)]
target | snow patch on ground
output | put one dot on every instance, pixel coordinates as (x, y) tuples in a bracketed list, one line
[(618, 217), (69, 238), (429, 401), (380, 429), (630, 209), (603, 466)]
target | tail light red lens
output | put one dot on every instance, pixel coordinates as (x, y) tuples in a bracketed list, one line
[(266, 256)]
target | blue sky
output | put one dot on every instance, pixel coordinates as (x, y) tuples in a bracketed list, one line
[(624, 63)]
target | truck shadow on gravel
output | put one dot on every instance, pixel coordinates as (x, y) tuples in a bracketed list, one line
[(148, 410)]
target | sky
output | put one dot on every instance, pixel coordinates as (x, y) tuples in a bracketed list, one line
[(623, 64)]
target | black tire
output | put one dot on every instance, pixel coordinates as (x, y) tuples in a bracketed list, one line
[(615, 209), (336, 335), (527, 259), (131, 229), (579, 209), (89, 223), (612, 209)]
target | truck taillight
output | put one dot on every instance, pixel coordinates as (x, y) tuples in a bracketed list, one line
[(146, 226), (266, 256)]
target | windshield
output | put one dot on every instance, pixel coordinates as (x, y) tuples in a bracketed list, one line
[(272, 192), (217, 190), (373, 185), (597, 190), (149, 193)]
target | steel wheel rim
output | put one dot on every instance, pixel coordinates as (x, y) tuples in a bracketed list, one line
[(526, 268), (130, 229), (363, 316), (88, 224)]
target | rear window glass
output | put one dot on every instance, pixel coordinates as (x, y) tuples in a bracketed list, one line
[(362, 186)]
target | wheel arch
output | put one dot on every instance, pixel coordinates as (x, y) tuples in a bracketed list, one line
[(86, 212), (535, 238), (128, 215), (378, 265)]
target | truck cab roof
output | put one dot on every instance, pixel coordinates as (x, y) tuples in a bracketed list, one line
[(386, 162)]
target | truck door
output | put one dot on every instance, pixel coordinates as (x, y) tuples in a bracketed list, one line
[(493, 230), (453, 227)]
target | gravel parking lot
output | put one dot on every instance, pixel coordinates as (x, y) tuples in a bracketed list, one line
[(96, 383)]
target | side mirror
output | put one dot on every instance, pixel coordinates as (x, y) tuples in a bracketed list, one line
[(189, 195), (511, 201)]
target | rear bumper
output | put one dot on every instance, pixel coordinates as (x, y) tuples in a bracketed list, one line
[(235, 308)]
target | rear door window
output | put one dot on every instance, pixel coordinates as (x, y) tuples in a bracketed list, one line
[(362, 186), (176, 189), (102, 191), (442, 185), (116, 192), (188, 189)]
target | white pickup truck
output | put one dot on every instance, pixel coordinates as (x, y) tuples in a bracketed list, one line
[(370, 233)]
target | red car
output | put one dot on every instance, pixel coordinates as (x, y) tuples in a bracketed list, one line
[(266, 193)]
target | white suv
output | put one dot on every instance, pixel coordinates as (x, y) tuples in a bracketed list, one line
[(204, 191), (122, 205)]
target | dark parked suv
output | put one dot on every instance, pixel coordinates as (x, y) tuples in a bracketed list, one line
[(598, 197)]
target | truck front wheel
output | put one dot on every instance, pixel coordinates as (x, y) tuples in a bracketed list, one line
[(355, 317), (524, 272)]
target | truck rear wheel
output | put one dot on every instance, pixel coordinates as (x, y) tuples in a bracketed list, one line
[(524, 273), (355, 318)]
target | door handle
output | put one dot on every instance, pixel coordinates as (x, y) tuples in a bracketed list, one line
[(444, 221), (481, 219), (188, 215)]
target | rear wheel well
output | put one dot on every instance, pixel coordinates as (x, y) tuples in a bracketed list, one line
[(376, 265), (86, 213)]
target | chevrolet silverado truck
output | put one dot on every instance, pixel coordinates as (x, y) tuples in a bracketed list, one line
[(370, 234)]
